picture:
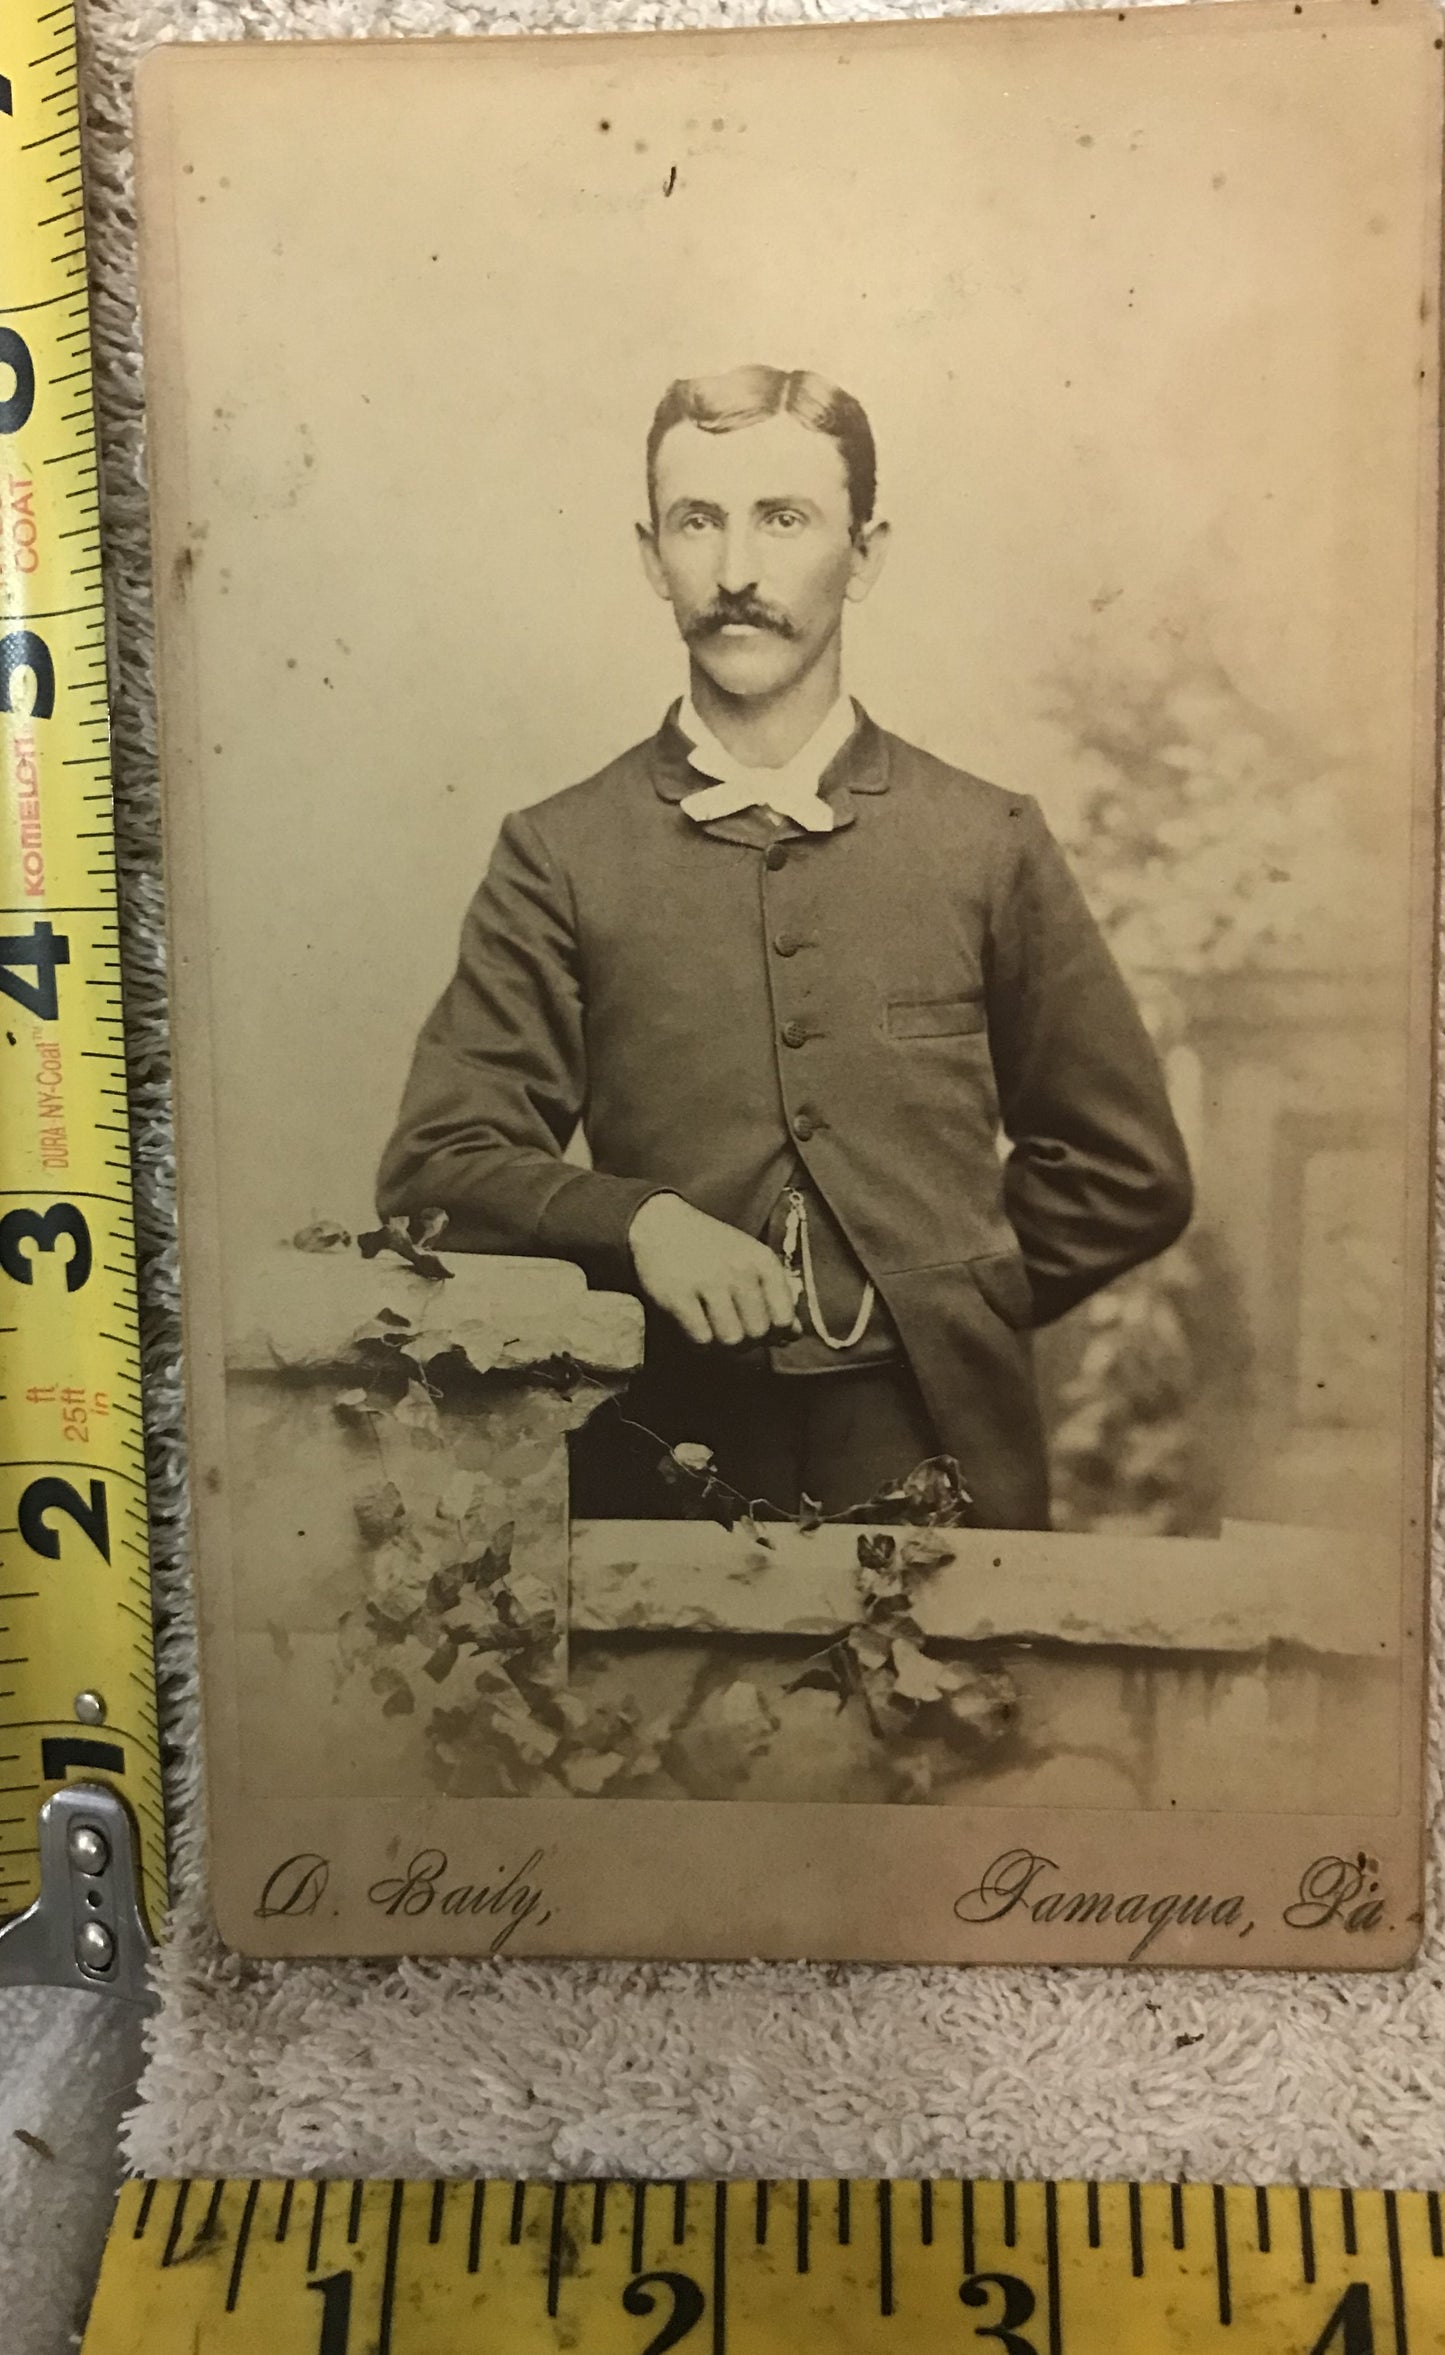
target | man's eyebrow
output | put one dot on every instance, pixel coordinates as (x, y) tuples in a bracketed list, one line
[(692, 506), (769, 505)]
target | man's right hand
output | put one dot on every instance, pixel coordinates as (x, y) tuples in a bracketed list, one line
[(717, 1282)]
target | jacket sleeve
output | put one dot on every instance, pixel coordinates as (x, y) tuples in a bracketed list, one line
[(498, 1082), (1097, 1179)]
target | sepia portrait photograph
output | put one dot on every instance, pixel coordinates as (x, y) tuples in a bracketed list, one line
[(797, 678)]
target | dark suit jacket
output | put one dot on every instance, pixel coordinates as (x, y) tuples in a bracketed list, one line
[(877, 1001)]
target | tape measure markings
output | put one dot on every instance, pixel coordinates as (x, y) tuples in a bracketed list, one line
[(72, 1487), (767, 2268)]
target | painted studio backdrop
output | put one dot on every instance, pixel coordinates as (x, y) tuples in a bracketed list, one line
[(1135, 458)]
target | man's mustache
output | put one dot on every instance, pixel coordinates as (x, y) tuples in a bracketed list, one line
[(749, 611)]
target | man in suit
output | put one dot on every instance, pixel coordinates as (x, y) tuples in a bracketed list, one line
[(865, 1093)]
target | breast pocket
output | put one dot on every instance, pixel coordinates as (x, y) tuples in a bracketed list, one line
[(935, 1017)]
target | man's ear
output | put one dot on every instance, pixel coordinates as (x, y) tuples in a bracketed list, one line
[(651, 561), (870, 550)]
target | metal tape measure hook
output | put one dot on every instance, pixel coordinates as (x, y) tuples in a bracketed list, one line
[(86, 1929)]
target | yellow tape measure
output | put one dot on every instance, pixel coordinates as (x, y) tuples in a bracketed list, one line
[(273, 2268), (77, 1688)]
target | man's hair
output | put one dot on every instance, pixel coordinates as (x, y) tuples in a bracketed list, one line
[(745, 396)]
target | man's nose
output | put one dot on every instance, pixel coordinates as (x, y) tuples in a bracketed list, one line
[(738, 569)]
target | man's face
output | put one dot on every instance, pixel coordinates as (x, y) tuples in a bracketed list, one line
[(754, 549)]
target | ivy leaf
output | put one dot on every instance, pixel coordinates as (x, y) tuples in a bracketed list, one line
[(809, 1515), (323, 1234), (482, 1676), (595, 1725), (869, 1646), (590, 1771), (380, 1513), (458, 1497), (715, 1750), (472, 1632), (917, 1678), (517, 1729), (926, 1552), (822, 1677), (880, 1575), (934, 1493), (358, 1403), (417, 1410), (392, 1610), (831, 1672), (524, 1599), (691, 1466), (889, 1713), (444, 1589), (395, 1237), (395, 1694), (712, 1502), (914, 1774), (694, 1457), (493, 1562), (981, 1708)]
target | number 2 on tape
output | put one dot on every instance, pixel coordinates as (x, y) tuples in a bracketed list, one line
[(54, 1495)]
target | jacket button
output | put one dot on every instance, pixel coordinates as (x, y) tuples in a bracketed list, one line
[(803, 1126), (795, 1034), (787, 944), (775, 856)]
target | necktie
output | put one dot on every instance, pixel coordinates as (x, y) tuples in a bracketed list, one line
[(790, 791)]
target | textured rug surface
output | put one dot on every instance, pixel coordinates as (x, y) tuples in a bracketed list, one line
[(67, 2071), (425, 2068)]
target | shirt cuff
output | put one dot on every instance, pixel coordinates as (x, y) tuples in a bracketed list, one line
[(590, 1218)]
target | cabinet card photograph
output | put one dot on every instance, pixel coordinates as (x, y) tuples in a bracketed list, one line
[(796, 676)]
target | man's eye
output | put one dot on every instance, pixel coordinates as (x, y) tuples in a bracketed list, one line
[(695, 523), (786, 519)]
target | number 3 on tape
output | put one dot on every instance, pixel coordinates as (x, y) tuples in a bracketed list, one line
[(44, 1228)]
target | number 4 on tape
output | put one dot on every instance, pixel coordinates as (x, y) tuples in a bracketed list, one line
[(41, 947)]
